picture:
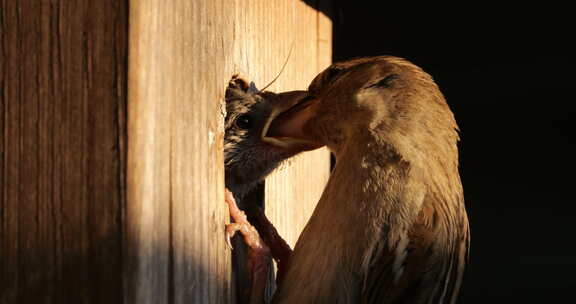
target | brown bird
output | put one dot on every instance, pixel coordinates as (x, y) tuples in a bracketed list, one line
[(248, 160), (391, 225)]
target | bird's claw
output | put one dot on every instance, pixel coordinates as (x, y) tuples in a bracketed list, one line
[(259, 254), (250, 234), (229, 236), (230, 232)]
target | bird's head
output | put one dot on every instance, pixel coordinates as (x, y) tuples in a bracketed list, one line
[(249, 157), (384, 98)]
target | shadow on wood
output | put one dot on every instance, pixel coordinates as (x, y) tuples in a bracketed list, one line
[(112, 180), (62, 148)]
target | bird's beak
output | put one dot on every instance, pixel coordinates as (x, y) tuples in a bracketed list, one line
[(285, 127)]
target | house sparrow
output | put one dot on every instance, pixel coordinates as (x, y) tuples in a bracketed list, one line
[(391, 225)]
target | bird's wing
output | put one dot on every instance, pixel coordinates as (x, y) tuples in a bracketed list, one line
[(424, 265)]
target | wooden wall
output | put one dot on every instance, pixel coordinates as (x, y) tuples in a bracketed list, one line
[(111, 150), (292, 191), (62, 150)]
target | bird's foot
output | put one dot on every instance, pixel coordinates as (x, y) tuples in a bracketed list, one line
[(241, 224), (281, 251), (258, 252)]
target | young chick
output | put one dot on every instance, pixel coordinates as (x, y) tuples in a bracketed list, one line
[(391, 226), (248, 160)]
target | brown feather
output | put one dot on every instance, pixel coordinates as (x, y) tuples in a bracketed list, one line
[(390, 226)]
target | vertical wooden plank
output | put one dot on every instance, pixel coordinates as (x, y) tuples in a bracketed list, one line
[(10, 151), (106, 45), (147, 246), (180, 63), (293, 190), (63, 99), (29, 243), (201, 69), (46, 186)]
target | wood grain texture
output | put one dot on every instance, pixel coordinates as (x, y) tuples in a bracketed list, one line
[(182, 54), (180, 63), (73, 228), (293, 191), (266, 31), (62, 121)]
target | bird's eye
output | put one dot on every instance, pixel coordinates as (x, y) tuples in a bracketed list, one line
[(244, 122), (385, 82)]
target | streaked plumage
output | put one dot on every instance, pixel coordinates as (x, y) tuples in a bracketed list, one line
[(391, 226), (248, 160)]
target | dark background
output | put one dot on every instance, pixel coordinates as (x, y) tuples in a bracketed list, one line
[(508, 75)]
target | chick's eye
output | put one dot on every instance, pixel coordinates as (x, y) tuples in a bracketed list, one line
[(244, 122)]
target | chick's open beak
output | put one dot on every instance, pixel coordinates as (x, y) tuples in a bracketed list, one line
[(285, 127)]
